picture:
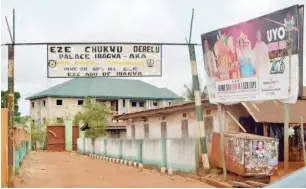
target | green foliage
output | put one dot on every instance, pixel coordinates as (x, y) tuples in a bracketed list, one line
[(189, 93), (38, 134), (95, 115), (4, 95), (54, 121)]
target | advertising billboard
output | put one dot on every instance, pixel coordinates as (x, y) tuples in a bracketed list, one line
[(104, 60), (255, 60)]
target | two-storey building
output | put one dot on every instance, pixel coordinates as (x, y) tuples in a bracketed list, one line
[(123, 96)]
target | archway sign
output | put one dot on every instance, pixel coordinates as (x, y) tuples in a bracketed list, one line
[(104, 60)]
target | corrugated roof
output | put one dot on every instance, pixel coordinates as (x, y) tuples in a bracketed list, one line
[(106, 88), (273, 111), (163, 110)]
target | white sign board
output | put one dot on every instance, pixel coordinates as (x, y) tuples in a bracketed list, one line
[(104, 60)]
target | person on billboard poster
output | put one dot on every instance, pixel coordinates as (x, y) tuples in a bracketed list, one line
[(245, 56), (210, 61), (261, 54), (226, 56)]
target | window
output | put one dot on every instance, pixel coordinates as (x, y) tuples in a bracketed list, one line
[(184, 115), (184, 128), (163, 129), (133, 131), (123, 103), (59, 102), (33, 104), (141, 104), (208, 121), (146, 130), (80, 102), (155, 104), (134, 104), (170, 103), (44, 103)]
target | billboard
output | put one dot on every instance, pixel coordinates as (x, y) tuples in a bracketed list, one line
[(255, 60), (104, 60)]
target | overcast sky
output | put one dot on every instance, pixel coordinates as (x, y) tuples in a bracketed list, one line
[(118, 21)]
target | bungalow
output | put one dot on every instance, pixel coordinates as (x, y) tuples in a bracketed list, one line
[(179, 121)]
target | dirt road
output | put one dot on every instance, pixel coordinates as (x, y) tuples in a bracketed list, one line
[(69, 170)]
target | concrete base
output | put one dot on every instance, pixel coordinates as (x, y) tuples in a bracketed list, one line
[(135, 164), (163, 170)]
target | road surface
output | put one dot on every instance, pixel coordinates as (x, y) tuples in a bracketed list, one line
[(70, 170)]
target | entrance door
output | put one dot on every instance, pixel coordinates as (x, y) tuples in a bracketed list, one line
[(248, 123)]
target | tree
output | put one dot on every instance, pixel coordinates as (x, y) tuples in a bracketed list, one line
[(189, 93), (95, 116), (4, 96)]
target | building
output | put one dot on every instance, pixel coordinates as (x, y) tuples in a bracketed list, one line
[(121, 95), (179, 121)]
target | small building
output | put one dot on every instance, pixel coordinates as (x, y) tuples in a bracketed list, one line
[(178, 121), (122, 96)]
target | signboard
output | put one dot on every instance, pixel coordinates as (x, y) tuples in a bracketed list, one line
[(255, 60), (104, 60)]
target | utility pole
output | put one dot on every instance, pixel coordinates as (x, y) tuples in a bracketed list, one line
[(198, 101), (11, 104)]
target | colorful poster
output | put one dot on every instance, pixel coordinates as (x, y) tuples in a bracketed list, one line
[(104, 60), (255, 60)]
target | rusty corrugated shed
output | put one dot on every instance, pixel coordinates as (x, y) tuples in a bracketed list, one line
[(273, 111)]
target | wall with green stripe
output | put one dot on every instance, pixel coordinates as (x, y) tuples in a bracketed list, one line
[(176, 153)]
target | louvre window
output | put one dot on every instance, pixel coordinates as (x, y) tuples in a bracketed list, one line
[(184, 128)]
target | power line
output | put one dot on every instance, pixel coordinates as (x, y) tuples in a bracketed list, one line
[(96, 43)]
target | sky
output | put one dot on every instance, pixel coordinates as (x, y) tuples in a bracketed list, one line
[(118, 21)]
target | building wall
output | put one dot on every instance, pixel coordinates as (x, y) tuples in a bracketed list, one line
[(173, 121), (174, 130), (50, 111)]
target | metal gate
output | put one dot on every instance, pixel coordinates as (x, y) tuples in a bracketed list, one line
[(56, 138)]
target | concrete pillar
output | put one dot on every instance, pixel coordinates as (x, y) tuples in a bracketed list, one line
[(68, 135), (128, 105)]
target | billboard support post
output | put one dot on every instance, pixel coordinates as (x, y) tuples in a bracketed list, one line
[(288, 28), (198, 101), (221, 126), (286, 137), (302, 139)]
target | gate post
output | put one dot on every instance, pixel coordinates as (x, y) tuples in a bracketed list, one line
[(68, 135)]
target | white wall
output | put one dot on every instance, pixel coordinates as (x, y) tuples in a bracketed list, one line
[(70, 107), (139, 130), (181, 154), (174, 123), (128, 131), (154, 127)]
